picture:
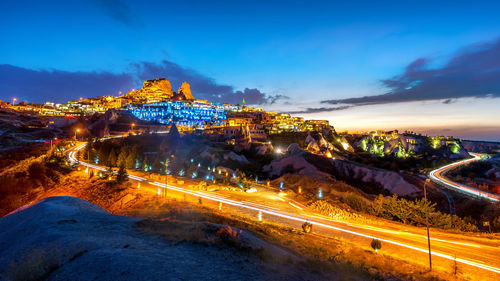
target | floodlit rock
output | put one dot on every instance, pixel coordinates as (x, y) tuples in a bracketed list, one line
[(185, 90), (313, 147), (153, 90)]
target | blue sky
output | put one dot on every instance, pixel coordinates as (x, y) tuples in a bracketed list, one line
[(276, 51)]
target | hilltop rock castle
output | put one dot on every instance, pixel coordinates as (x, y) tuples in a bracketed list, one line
[(158, 90)]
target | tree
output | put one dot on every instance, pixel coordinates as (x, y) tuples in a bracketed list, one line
[(399, 208), (145, 163), (122, 175), (122, 156), (420, 209), (376, 245), (131, 158), (88, 151), (164, 145), (378, 205), (157, 165), (173, 138), (112, 158), (103, 153)]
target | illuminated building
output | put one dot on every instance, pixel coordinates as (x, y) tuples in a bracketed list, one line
[(188, 114)]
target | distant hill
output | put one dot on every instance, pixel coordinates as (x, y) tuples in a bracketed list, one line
[(481, 146)]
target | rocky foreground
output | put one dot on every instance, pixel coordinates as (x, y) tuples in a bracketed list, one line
[(66, 238)]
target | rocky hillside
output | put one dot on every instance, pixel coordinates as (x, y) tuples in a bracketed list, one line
[(297, 161), (18, 129), (404, 145), (66, 238), (481, 146)]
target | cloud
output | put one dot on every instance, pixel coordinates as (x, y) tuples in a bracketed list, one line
[(319, 109), (118, 10), (471, 72), (60, 86), (202, 86)]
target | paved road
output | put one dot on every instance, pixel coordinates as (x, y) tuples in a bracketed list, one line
[(471, 252), (438, 176)]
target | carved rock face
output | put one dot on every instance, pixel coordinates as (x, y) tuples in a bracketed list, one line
[(158, 84), (159, 88)]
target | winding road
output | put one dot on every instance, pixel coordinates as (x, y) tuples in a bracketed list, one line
[(437, 176), (406, 242)]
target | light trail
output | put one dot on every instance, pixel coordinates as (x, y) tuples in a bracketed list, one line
[(293, 217), (300, 208), (437, 177)]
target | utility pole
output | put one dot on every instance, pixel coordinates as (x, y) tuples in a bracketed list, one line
[(427, 223)]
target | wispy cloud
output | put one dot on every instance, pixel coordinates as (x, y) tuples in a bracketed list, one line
[(201, 85), (474, 71), (319, 109), (58, 85)]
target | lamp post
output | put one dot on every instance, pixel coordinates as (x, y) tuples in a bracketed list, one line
[(427, 223), (132, 127), (76, 131), (51, 143), (13, 101)]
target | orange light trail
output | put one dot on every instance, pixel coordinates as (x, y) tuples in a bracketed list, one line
[(289, 216)]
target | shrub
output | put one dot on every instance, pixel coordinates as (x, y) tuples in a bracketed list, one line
[(122, 175), (356, 202)]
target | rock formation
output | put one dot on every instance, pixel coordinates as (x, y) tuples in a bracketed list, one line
[(158, 85), (185, 91), (153, 90)]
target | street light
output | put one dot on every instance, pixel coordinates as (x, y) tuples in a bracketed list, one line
[(427, 223), (51, 143), (76, 131), (14, 101), (132, 126)]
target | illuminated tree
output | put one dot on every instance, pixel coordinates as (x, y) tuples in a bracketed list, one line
[(112, 158), (145, 163), (131, 158), (122, 156), (378, 205)]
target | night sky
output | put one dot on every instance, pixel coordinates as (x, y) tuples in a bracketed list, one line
[(427, 66)]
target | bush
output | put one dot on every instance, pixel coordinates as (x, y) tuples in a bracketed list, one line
[(414, 212), (496, 224), (356, 202), (327, 209), (122, 175)]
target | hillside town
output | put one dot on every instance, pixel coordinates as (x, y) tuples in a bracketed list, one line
[(157, 102)]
